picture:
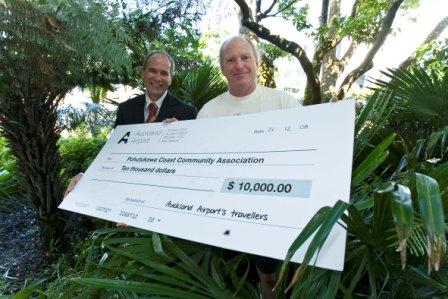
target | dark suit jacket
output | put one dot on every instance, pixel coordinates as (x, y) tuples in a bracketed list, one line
[(132, 110)]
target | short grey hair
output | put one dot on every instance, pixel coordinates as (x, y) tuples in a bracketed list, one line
[(159, 52), (240, 37)]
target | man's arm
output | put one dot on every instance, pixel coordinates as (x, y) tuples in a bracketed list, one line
[(73, 183), (193, 112), (119, 117), (187, 112)]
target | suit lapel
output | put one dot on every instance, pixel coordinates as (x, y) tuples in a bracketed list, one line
[(166, 110), (138, 113)]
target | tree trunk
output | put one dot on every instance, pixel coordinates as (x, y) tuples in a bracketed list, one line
[(324, 12), (314, 94), (266, 72), (29, 124), (330, 64), (332, 70), (367, 63)]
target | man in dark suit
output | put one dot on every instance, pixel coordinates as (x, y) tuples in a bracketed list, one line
[(157, 104)]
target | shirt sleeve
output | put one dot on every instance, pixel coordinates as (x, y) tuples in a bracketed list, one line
[(202, 113), (291, 102), (206, 111)]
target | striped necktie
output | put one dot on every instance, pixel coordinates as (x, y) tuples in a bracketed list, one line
[(152, 109)]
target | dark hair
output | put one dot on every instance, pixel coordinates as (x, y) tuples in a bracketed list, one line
[(145, 61), (241, 37)]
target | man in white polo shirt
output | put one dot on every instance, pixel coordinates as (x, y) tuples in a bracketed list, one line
[(239, 62)]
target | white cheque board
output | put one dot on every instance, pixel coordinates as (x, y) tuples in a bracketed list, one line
[(248, 183)]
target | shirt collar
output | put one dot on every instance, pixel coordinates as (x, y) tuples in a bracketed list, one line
[(158, 102)]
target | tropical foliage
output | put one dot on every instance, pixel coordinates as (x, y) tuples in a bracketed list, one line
[(420, 107), (135, 263), (45, 48), (78, 152), (94, 120), (9, 185), (199, 85), (396, 218), (171, 26)]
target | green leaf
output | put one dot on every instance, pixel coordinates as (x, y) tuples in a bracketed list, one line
[(431, 211), (138, 287), (373, 276), (372, 161), (369, 120), (415, 275), (422, 92), (28, 291), (356, 225), (403, 215), (418, 244), (180, 275), (358, 275), (323, 221), (440, 173), (193, 269), (157, 245), (404, 290), (382, 220), (434, 139), (306, 233)]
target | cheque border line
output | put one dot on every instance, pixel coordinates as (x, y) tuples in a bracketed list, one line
[(204, 164), (218, 153), (151, 185), (160, 174)]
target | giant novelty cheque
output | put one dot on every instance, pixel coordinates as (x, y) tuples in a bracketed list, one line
[(248, 183)]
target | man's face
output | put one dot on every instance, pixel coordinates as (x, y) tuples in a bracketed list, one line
[(157, 76), (239, 66)]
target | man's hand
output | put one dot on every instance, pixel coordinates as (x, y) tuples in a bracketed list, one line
[(169, 120), (72, 186), (73, 183)]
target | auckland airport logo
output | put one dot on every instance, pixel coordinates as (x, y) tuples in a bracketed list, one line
[(139, 137), (124, 138)]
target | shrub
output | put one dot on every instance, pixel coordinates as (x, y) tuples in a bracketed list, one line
[(199, 85), (94, 119), (5, 152), (77, 153), (9, 185)]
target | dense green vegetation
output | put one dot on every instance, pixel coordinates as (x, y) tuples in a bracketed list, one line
[(9, 185), (44, 51)]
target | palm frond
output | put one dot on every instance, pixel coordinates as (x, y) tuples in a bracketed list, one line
[(368, 121), (136, 262), (374, 159), (431, 211), (320, 225), (426, 94), (199, 85)]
